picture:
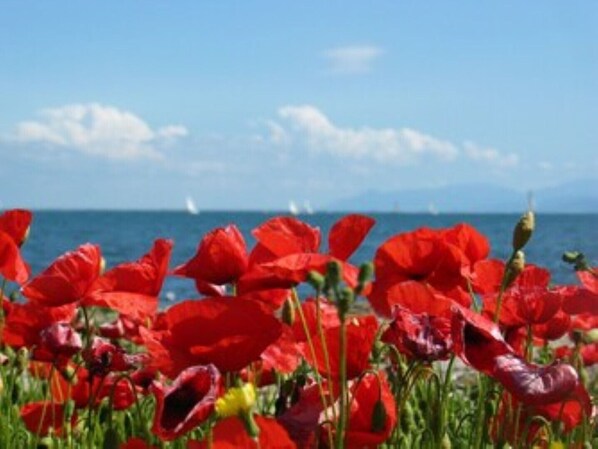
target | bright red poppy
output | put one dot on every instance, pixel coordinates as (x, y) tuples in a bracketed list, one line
[(16, 224), (419, 336), (25, 322), (442, 259), (347, 234), (12, 265), (221, 258), (40, 416), (360, 334), (132, 288), (365, 429), (227, 332), (187, 402), (68, 279), (230, 433)]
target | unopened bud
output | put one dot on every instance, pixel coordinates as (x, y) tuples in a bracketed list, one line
[(366, 272), (523, 230), (591, 336), (515, 267), (334, 273), (288, 312), (345, 301), (378, 417), (446, 442), (316, 280)]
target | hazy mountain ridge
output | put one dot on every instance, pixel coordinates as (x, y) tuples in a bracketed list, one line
[(571, 197)]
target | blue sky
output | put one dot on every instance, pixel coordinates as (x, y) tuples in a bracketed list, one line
[(118, 104)]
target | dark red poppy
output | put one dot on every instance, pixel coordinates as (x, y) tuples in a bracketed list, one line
[(230, 433), (132, 288), (419, 336), (365, 429), (40, 416), (68, 279), (227, 332), (554, 328), (579, 300), (186, 403), (347, 234), (12, 265), (479, 343), (221, 258), (360, 335), (16, 224), (57, 343), (103, 357)]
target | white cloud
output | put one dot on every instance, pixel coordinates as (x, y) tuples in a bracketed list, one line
[(319, 133), (490, 156), (97, 130), (352, 59)]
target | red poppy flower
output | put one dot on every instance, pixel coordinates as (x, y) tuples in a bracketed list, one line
[(132, 288), (103, 357), (283, 355), (347, 234), (442, 259), (16, 224), (588, 354), (69, 278), (230, 433), (360, 334), (122, 327), (186, 403), (579, 300), (589, 279), (227, 332), (282, 236), (487, 276), (365, 429), (528, 301), (40, 416), (554, 328), (25, 322), (221, 258), (328, 318), (57, 343), (419, 336), (479, 343), (12, 265)]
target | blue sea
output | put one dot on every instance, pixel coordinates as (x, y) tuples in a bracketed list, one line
[(125, 236)]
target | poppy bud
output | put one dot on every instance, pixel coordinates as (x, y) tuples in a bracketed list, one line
[(111, 439), (334, 273), (378, 417), (288, 312), (316, 280), (523, 230), (515, 267), (592, 336), (345, 301), (366, 272), (14, 296), (69, 409), (446, 442)]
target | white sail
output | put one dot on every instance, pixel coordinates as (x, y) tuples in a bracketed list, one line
[(432, 209), (307, 208), (191, 207), (293, 208)]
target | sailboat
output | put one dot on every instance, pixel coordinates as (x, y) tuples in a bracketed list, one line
[(432, 209), (307, 208), (293, 208), (191, 207)]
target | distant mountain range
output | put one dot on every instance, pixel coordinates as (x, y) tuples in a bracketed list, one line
[(571, 197)]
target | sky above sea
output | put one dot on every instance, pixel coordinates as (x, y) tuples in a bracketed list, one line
[(246, 105)]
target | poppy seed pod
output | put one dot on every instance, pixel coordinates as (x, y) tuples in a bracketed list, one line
[(288, 312), (515, 267), (523, 230), (316, 280), (334, 273)]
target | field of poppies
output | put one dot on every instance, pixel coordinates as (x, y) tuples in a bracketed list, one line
[(290, 345)]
